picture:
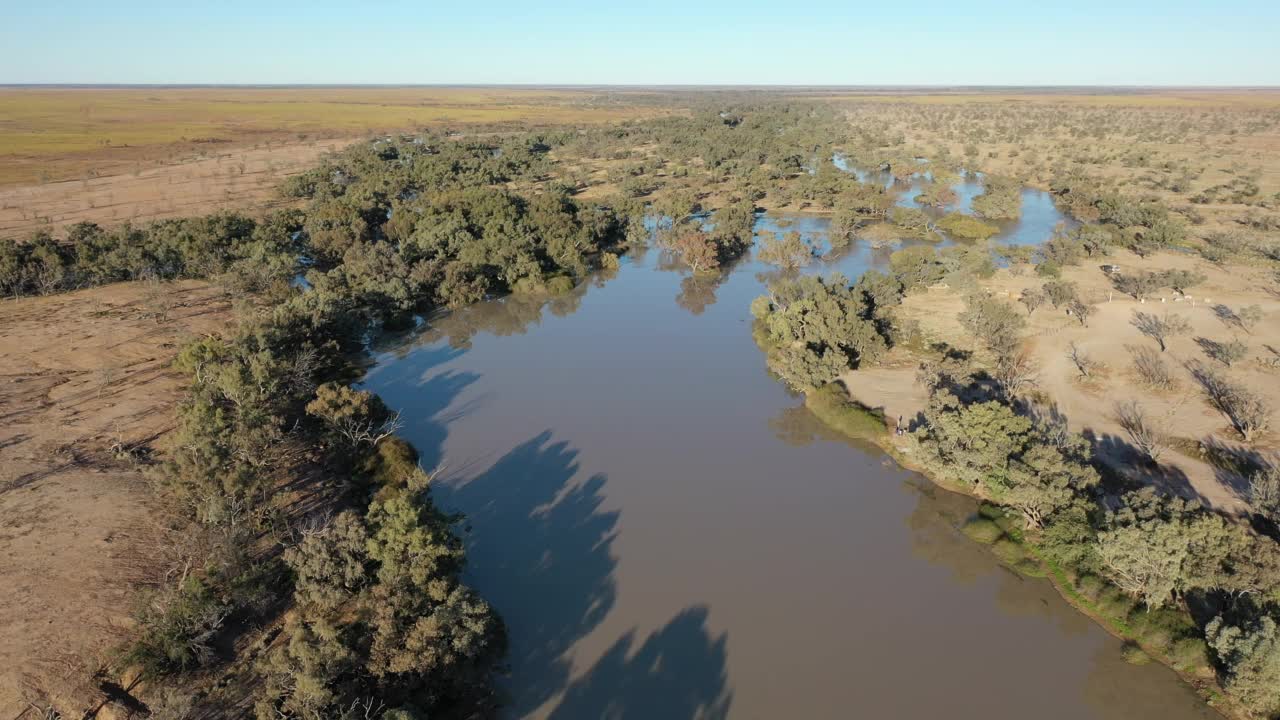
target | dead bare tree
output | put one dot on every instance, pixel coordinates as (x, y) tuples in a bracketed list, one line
[(1015, 372), (1151, 367), (1081, 311), (1147, 435), (1083, 362), (1249, 412)]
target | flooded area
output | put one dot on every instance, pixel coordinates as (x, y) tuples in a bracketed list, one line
[(670, 534), (1036, 224)]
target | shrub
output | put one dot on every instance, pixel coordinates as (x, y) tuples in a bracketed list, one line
[(1249, 412), (982, 530), (966, 227), (1001, 198), (1159, 628), (831, 404), (788, 251), (1188, 653), (1150, 367), (1049, 269), (1113, 603), (1228, 353), (1031, 298), (1016, 557), (916, 266), (1138, 285), (1264, 492), (1090, 586), (1134, 655), (356, 418), (1060, 293)]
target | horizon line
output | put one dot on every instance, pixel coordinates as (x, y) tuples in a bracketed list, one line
[(653, 86)]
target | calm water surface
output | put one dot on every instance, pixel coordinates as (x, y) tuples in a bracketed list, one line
[(669, 534)]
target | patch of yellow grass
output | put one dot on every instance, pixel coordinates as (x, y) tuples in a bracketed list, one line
[(42, 122), (1267, 98)]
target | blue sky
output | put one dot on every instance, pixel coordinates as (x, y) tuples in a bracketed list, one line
[(1087, 42)]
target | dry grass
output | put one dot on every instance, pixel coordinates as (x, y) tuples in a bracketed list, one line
[(1262, 98), (62, 133)]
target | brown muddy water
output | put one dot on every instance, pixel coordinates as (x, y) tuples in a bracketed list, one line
[(669, 534)]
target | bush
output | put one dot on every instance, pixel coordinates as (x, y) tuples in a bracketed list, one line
[(1249, 412), (1134, 655), (1159, 628), (788, 251), (1001, 198), (177, 628), (1009, 551), (1090, 586), (831, 404), (982, 530), (966, 227), (1049, 269), (916, 266), (1189, 653), (1015, 556), (1114, 603), (1060, 293)]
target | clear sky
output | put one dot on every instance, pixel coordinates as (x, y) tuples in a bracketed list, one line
[(920, 42)]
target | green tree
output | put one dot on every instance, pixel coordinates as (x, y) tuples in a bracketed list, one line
[(356, 418), (788, 251), (1249, 653), (816, 329), (698, 251), (1001, 198), (993, 321)]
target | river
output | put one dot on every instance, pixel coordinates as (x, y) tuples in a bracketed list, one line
[(669, 534)]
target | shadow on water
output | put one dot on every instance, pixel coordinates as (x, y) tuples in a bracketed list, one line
[(935, 536), (540, 544), (698, 291), (540, 549), (678, 672)]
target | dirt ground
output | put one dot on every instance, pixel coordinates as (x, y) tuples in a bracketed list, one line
[(243, 179), (82, 375), (1089, 405), (1173, 145)]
